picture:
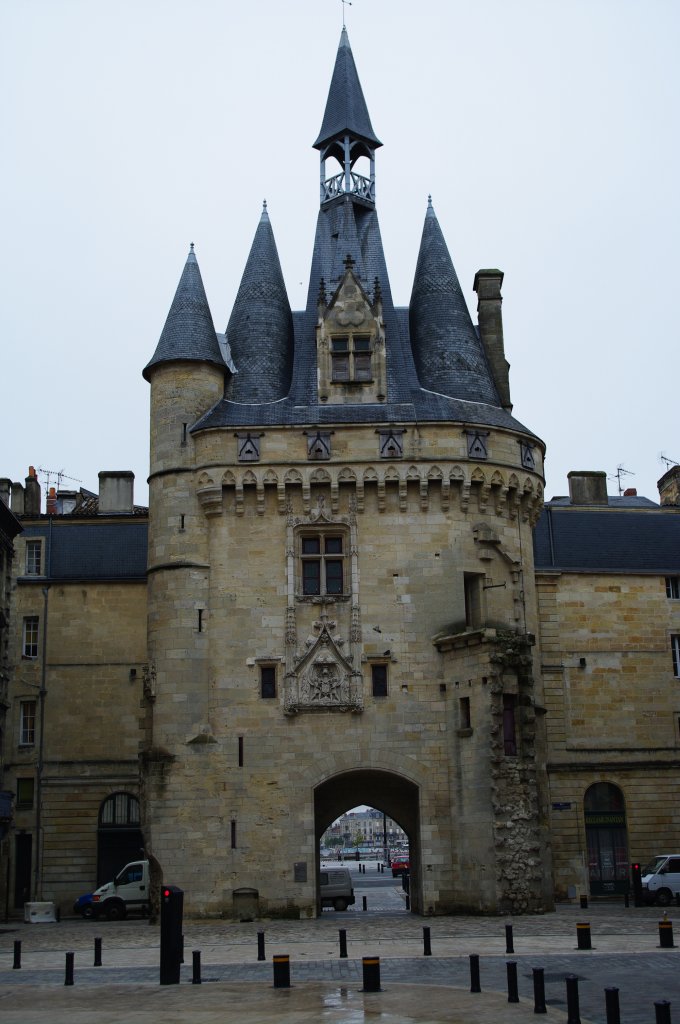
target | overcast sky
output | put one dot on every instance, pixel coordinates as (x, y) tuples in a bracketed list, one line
[(546, 132)]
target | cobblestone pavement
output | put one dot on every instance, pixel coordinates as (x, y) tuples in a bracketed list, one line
[(236, 987)]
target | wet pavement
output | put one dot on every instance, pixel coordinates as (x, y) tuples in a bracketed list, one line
[(415, 987)]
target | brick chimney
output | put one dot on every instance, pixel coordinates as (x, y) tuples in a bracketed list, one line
[(487, 284), (116, 489), (669, 487), (588, 487), (51, 502), (32, 493)]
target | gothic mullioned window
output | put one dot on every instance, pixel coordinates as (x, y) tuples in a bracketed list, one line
[(351, 358), (322, 563)]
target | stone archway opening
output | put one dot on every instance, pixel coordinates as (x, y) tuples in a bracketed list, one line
[(387, 791)]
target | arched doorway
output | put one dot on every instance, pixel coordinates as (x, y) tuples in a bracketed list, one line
[(396, 796), (607, 838), (119, 837)]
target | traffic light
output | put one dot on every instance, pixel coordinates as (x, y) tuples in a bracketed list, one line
[(636, 872), (172, 940)]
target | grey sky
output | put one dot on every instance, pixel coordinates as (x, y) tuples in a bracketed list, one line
[(547, 134)]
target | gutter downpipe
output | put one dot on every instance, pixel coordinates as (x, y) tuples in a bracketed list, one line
[(37, 888)]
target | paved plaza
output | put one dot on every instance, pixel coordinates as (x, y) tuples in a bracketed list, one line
[(326, 987)]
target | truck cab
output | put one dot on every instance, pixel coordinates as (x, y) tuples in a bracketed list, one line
[(661, 879), (128, 891)]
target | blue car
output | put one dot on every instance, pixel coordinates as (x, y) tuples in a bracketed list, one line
[(83, 905)]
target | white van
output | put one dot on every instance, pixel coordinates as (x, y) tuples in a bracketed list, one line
[(661, 878), (129, 890), (335, 888)]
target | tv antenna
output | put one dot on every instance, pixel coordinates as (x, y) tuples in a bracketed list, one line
[(667, 462), (621, 472), (57, 475)]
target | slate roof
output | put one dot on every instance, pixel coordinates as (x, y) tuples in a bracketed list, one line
[(260, 329), (615, 539), (189, 333), (346, 111), (447, 350), (93, 551)]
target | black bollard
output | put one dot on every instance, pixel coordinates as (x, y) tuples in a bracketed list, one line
[(68, 980), (511, 969), (343, 943), (407, 902), (662, 1009), (17, 955), (573, 1011), (626, 899), (281, 971), (181, 951), (427, 947), (611, 1002), (584, 902), (539, 991), (364, 903), (260, 946), (666, 934), (371, 969), (196, 965), (509, 944), (474, 973), (97, 952), (583, 935)]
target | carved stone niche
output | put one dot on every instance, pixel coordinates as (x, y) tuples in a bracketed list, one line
[(323, 680)]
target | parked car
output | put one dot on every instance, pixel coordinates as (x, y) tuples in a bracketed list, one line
[(129, 890), (83, 905), (400, 866)]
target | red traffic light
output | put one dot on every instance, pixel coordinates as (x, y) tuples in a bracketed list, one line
[(166, 892)]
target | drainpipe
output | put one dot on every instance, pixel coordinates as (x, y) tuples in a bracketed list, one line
[(37, 888)]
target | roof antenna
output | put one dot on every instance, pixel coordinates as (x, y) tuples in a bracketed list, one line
[(668, 462), (620, 472), (349, 3)]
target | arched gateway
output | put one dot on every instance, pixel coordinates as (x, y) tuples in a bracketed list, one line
[(392, 793)]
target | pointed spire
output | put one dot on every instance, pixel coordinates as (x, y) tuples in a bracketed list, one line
[(448, 355), (346, 111), (260, 330), (189, 332)]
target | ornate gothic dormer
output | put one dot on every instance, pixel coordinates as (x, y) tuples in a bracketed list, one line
[(346, 133), (350, 344)]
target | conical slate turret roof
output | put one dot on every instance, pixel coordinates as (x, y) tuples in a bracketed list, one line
[(346, 111), (447, 351), (260, 329), (189, 332)]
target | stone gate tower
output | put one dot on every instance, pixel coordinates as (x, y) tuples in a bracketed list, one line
[(341, 603)]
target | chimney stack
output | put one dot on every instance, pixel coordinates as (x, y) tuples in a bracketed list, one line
[(588, 487), (5, 490), (669, 487), (490, 318), (116, 492), (32, 493), (51, 502)]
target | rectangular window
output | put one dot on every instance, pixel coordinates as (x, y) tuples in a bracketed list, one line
[(351, 358), (379, 679), (473, 599), (509, 729), (267, 680), (27, 723), (465, 720), (675, 648), (25, 791), (33, 557), (322, 557), (673, 587), (30, 639)]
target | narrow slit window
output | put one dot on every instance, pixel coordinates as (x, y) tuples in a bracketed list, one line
[(267, 681), (379, 679)]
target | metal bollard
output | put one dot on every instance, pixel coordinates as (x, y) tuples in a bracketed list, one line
[(181, 953), (371, 969), (97, 952), (584, 902), (68, 980), (364, 902), (260, 946), (611, 1002), (281, 971), (17, 955), (511, 968), (196, 965), (539, 991), (666, 934), (573, 1011), (474, 973), (626, 899), (343, 944), (662, 1009), (583, 935), (407, 902), (427, 947), (509, 944)]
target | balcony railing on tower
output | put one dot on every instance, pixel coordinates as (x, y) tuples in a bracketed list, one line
[(363, 188)]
